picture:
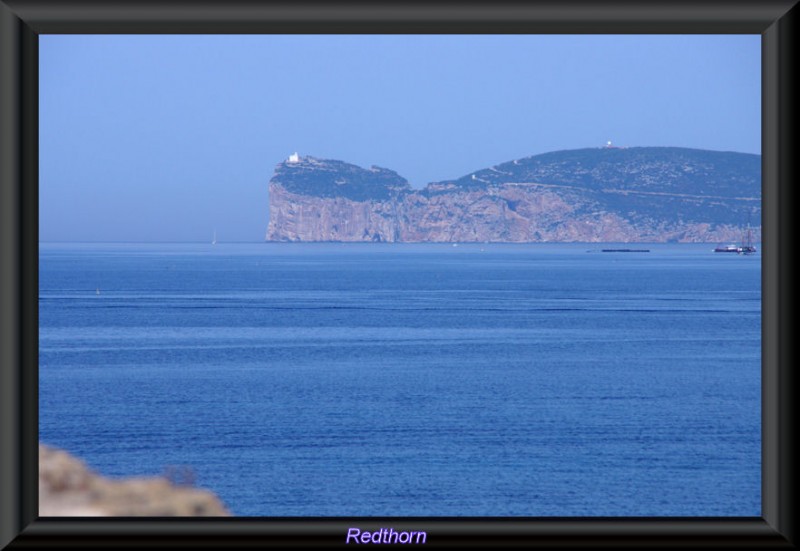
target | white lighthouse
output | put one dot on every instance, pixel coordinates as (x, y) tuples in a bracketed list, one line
[(294, 158)]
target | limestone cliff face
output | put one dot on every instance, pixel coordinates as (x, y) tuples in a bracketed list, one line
[(637, 195), (296, 217)]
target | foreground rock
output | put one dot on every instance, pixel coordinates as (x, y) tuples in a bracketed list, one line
[(67, 488), (641, 194)]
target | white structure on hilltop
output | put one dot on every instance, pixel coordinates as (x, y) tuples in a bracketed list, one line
[(294, 158)]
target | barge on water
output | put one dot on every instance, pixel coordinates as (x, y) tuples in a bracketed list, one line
[(625, 250)]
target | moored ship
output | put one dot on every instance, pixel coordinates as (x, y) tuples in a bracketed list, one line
[(746, 247), (747, 244)]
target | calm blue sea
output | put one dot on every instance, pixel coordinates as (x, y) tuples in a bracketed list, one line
[(429, 380)]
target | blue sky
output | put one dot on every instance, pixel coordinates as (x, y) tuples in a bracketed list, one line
[(170, 138)]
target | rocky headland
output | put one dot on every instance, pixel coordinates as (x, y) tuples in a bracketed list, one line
[(609, 194), (67, 488)]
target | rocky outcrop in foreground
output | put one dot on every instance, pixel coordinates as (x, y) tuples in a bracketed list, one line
[(643, 194), (68, 489)]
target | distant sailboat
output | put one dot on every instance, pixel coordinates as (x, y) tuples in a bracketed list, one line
[(747, 243), (214, 239), (746, 247)]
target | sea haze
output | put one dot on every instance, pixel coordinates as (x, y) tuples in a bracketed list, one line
[(413, 380)]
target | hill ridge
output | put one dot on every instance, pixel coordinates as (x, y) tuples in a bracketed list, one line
[(591, 194)]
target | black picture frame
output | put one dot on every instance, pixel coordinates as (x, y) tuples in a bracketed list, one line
[(21, 21)]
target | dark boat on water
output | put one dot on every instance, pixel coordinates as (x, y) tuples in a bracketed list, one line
[(747, 244), (746, 247)]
